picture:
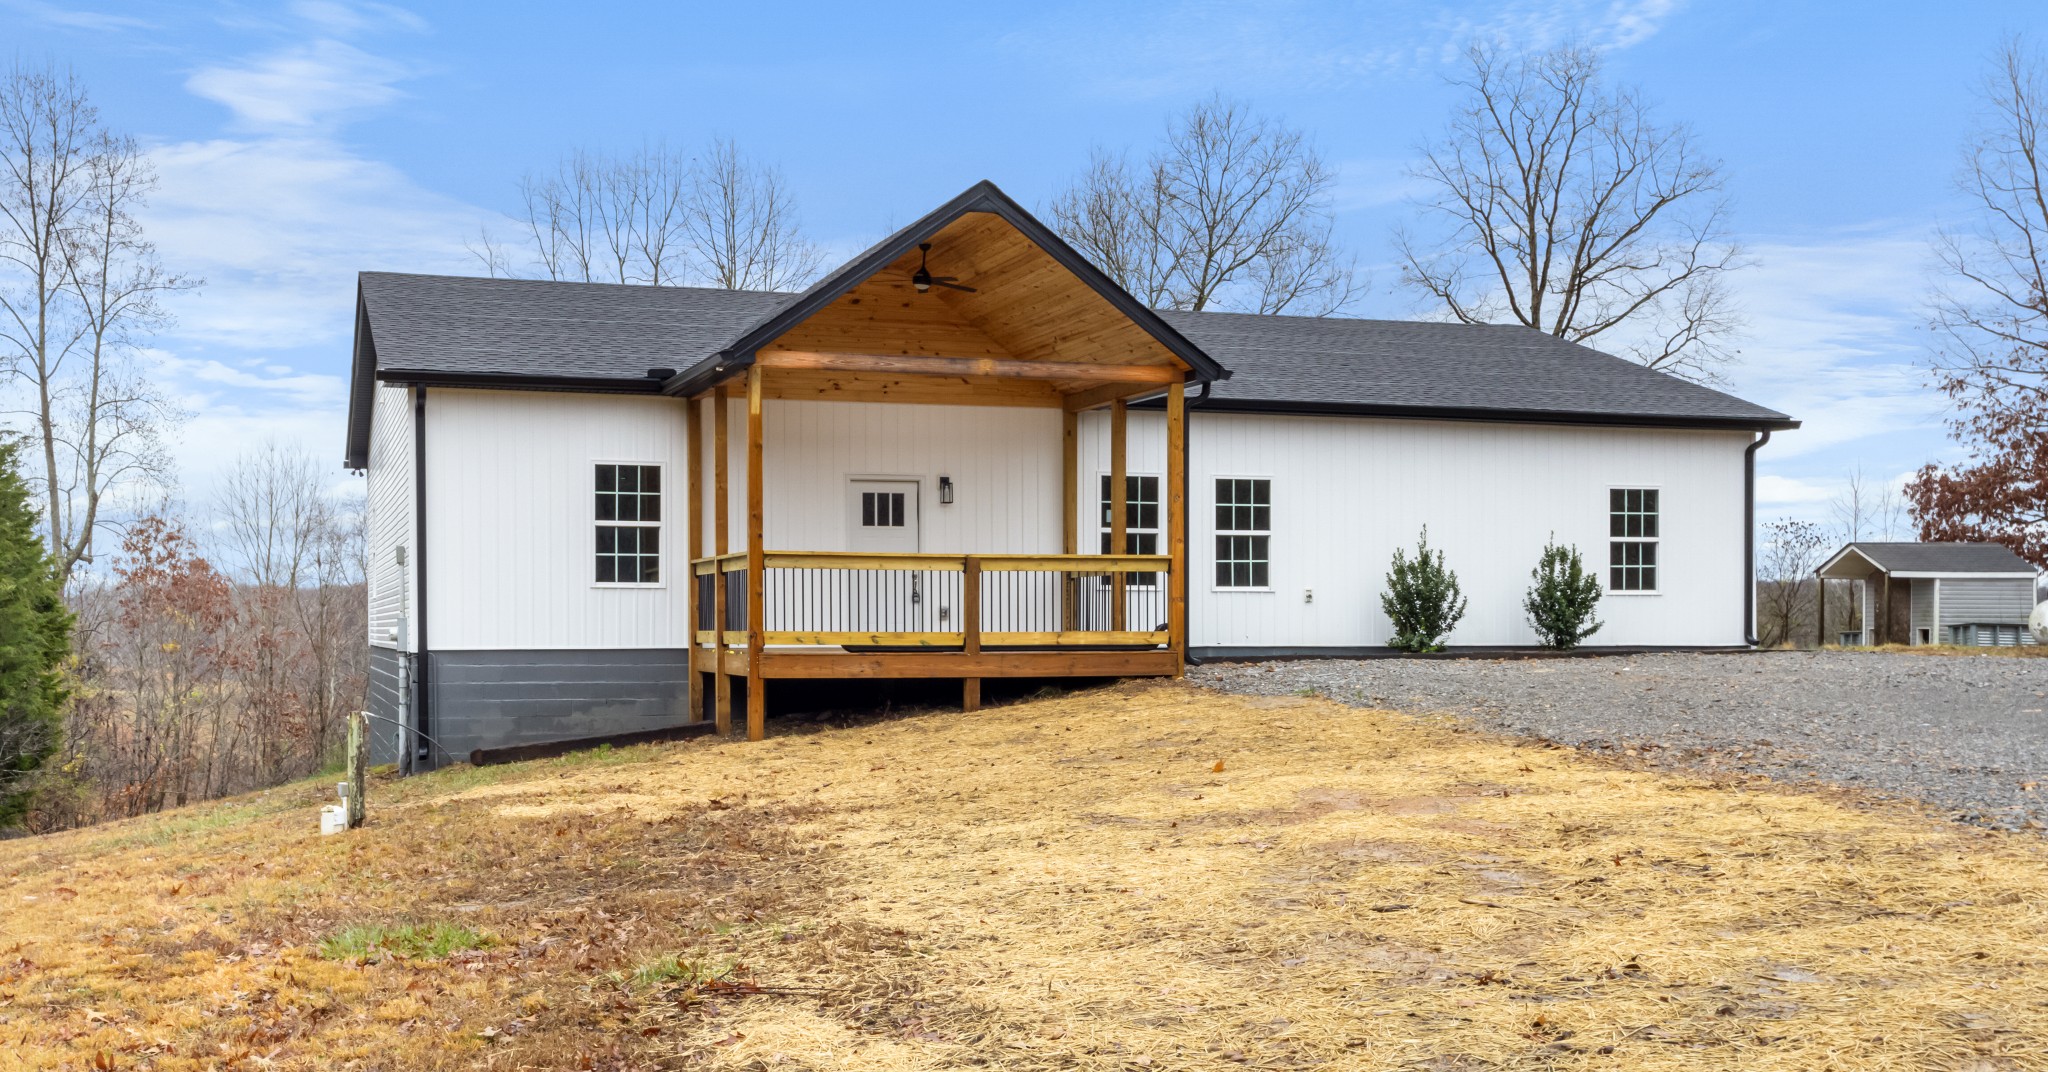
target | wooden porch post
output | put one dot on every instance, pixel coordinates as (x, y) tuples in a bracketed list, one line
[(1177, 522), (970, 625), (693, 512), (1070, 507), (721, 698), (1118, 496), (757, 701)]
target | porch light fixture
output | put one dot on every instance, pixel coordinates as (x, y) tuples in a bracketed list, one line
[(945, 491)]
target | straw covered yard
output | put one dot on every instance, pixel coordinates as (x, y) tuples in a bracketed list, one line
[(1141, 876)]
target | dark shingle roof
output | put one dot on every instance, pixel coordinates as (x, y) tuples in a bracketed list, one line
[(528, 327), (1403, 367), (596, 336), (1941, 557)]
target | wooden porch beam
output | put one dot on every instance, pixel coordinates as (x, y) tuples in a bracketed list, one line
[(1177, 518), (1070, 510), (757, 702), (990, 367), (970, 625), (721, 417), (1119, 505), (1096, 397)]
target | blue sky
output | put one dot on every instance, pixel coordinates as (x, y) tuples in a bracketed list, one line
[(300, 143)]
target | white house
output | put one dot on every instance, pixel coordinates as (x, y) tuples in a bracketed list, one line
[(599, 509)]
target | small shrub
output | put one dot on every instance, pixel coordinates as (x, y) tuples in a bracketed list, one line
[(1422, 598), (426, 941), (1561, 601)]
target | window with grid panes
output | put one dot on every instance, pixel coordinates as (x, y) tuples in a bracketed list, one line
[(1244, 524), (628, 524), (1141, 522), (1632, 526)]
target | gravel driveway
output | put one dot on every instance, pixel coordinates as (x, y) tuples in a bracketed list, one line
[(1968, 735)]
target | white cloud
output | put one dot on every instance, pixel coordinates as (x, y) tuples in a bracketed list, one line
[(1631, 22), (302, 87), (278, 217), (346, 19), (74, 18), (279, 227), (1254, 47), (1834, 339), (1773, 491)]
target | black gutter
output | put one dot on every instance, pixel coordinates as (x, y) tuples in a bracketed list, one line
[(1494, 415), (421, 671), (1749, 536)]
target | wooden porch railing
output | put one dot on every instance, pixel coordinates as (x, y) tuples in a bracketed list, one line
[(938, 601)]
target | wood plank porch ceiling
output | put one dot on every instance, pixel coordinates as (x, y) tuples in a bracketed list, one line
[(1032, 334)]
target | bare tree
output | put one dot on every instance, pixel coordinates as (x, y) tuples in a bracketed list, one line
[(291, 547), (1990, 311), (1569, 209), (1867, 510), (1863, 510), (81, 293), (658, 218), (1791, 552), (1233, 211), (741, 224)]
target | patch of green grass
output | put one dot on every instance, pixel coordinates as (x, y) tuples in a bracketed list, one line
[(672, 970), (424, 941), (155, 831)]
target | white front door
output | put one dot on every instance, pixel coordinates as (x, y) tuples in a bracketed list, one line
[(884, 515), (884, 520)]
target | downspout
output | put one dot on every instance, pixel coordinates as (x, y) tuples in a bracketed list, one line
[(1749, 537), (422, 669), (1187, 438)]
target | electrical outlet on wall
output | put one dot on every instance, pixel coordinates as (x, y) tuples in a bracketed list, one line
[(1308, 595)]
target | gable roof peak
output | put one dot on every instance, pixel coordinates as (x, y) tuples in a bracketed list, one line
[(983, 196)]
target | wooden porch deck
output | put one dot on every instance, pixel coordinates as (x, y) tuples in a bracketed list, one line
[(846, 615)]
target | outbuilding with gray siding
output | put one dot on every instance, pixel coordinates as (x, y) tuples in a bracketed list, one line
[(1936, 593)]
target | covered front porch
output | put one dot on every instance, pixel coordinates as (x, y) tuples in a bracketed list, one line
[(887, 480)]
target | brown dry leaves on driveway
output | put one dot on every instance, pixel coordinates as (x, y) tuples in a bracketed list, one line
[(1071, 883)]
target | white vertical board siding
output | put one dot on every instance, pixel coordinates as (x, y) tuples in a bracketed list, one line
[(511, 526), (1348, 491), (390, 481), (1004, 462)]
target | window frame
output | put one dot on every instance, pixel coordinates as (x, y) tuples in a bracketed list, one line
[(1607, 567), (664, 553), (1157, 532), (1215, 533)]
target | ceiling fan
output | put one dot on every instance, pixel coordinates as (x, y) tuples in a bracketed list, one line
[(923, 280)]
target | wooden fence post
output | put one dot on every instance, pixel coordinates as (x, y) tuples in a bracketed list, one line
[(358, 766)]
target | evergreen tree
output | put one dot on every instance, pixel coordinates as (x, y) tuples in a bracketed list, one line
[(35, 636), (1422, 598), (1561, 602)]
